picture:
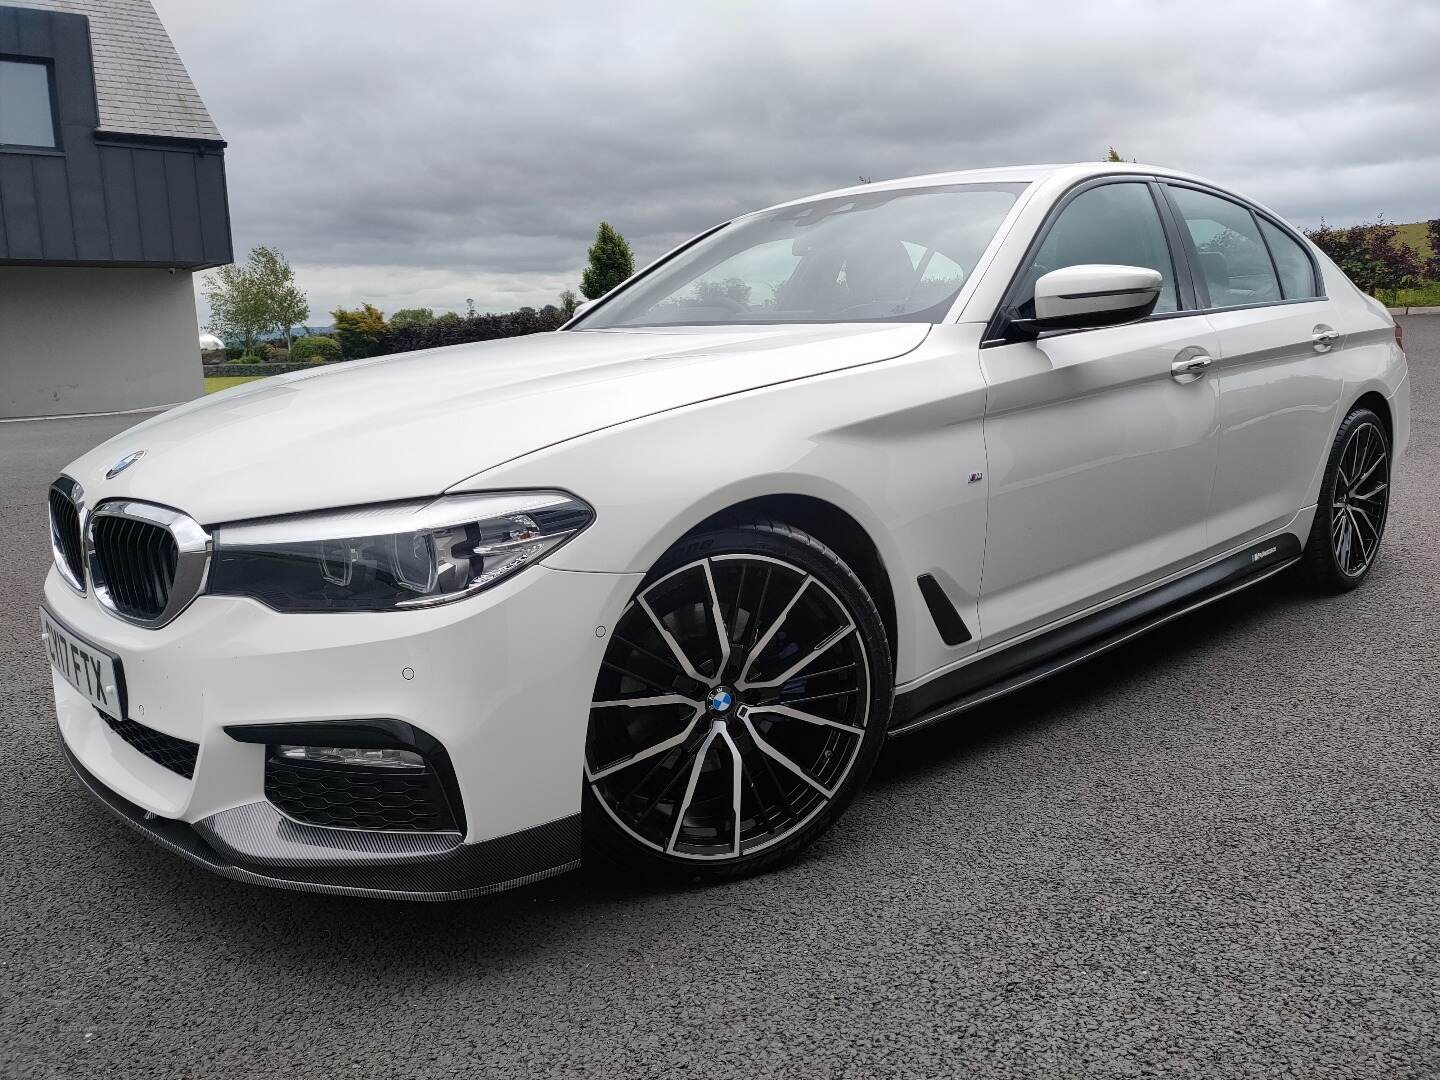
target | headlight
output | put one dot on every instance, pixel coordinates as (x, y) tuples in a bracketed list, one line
[(392, 556)]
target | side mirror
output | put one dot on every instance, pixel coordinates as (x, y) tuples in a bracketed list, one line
[(1080, 297), (583, 306)]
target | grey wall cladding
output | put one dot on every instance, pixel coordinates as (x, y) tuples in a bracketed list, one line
[(103, 198)]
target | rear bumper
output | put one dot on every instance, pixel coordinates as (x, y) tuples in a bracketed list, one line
[(255, 843)]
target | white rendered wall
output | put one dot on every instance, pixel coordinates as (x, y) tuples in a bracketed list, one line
[(76, 340)]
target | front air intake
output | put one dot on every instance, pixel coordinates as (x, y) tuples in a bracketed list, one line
[(139, 560)]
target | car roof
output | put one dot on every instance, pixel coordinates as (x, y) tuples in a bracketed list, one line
[(1005, 174)]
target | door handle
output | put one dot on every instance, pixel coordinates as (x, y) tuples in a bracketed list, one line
[(1190, 368), (1324, 338)]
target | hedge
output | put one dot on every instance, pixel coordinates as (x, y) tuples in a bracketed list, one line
[(460, 331)]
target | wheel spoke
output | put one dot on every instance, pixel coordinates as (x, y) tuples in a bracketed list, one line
[(759, 646), (805, 717), (1371, 495), (721, 633), (737, 769), (1366, 550), (781, 759), (627, 673), (650, 751), (674, 646), (800, 665), (689, 796), (1379, 460)]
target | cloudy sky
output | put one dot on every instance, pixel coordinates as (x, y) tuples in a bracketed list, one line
[(417, 153)]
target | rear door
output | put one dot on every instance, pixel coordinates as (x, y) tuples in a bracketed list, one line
[(1276, 369), (1100, 461)]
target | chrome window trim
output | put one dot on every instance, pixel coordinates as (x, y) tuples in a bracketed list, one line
[(71, 489), (192, 564)]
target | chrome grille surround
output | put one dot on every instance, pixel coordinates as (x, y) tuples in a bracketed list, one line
[(66, 506), (129, 569)]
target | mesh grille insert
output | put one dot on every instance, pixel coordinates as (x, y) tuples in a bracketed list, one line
[(358, 798), (138, 560), (65, 520), (177, 755)]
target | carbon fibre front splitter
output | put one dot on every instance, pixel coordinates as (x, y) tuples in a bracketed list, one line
[(256, 844)]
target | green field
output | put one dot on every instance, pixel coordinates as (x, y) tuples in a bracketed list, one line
[(224, 382), (1414, 235)]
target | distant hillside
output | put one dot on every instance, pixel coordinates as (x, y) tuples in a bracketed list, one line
[(1414, 235)]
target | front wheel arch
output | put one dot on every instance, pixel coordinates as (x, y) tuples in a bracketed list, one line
[(833, 527)]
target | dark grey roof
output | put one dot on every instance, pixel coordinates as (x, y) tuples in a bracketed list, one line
[(142, 87)]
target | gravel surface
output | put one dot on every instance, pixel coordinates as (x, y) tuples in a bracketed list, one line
[(1212, 854)]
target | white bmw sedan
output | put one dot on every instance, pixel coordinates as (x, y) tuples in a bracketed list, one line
[(656, 588)]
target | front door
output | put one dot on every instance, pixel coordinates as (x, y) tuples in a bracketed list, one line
[(1100, 460)]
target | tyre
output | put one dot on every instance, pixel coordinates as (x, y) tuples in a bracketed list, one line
[(742, 701), (1354, 500)]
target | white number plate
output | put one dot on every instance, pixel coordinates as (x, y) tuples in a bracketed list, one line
[(92, 671)]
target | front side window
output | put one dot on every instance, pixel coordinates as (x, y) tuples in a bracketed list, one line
[(1114, 224), (26, 118), (1297, 274), (1233, 261), (883, 256)]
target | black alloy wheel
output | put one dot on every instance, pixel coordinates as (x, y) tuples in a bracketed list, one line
[(1354, 501), (742, 700)]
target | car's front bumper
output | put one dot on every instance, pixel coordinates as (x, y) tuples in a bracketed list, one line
[(502, 680)]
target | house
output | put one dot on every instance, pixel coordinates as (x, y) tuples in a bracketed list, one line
[(112, 195)]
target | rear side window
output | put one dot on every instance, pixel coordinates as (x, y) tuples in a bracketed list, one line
[(1297, 273), (1115, 224), (1233, 260)]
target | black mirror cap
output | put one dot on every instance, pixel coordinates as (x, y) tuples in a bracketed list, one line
[(1028, 329)]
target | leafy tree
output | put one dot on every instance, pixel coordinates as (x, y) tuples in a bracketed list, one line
[(1372, 255), (610, 263), (569, 301), (361, 331), (284, 301), (237, 307), (255, 298), (412, 316), (1114, 155), (1432, 234)]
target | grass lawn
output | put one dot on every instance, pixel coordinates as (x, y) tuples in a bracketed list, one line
[(224, 382)]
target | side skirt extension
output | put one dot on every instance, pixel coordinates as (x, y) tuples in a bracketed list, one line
[(1009, 669)]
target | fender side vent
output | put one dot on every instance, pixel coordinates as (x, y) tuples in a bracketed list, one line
[(953, 630)]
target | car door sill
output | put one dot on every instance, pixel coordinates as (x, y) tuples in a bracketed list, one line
[(1039, 657)]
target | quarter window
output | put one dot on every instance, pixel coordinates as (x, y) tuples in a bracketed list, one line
[(1232, 259), (26, 118), (1297, 273), (1115, 224)]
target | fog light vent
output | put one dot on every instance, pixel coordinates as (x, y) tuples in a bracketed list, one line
[(353, 755)]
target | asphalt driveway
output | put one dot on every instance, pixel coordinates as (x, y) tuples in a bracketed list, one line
[(1213, 853)]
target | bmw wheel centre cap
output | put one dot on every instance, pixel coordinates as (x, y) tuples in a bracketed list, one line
[(720, 699)]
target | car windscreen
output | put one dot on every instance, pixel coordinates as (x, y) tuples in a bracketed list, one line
[(883, 256)]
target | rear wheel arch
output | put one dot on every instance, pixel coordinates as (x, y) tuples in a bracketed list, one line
[(1376, 403)]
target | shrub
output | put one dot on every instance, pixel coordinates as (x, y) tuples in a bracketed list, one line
[(1371, 255), (412, 316), (361, 332), (315, 347), (233, 352), (459, 331)]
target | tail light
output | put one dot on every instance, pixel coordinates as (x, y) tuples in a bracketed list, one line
[(1399, 335)]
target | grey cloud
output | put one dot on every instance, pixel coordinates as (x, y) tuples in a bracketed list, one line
[(454, 149)]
